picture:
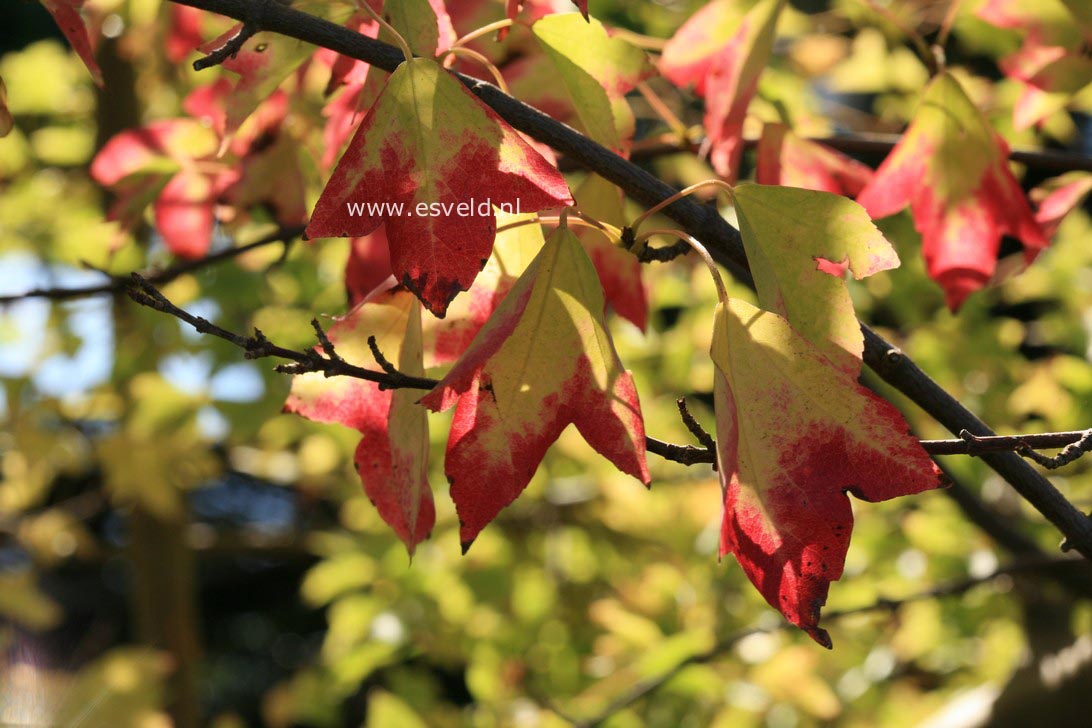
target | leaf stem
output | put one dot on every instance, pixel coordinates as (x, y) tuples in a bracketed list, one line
[(481, 61), (685, 192), (722, 292), (398, 37), (677, 126), (484, 30)]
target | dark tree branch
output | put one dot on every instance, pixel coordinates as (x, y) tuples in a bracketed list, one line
[(118, 284), (229, 49), (703, 223), (644, 688)]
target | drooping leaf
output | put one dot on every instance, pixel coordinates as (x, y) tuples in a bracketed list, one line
[(785, 159), (689, 55), (619, 270), (543, 360), (428, 141), (392, 457), (66, 13), (951, 168), (798, 244), (732, 82), (795, 435), (1051, 63), (595, 71), (262, 63), (1058, 197), (164, 160)]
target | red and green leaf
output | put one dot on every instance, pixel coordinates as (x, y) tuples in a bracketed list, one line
[(799, 243), (795, 436), (595, 71), (66, 13), (392, 457), (785, 159), (1058, 197), (951, 168), (543, 361), (731, 81), (427, 140)]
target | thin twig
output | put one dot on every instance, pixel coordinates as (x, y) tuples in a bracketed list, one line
[(117, 284), (229, 49), (696, 430), (645, 687)]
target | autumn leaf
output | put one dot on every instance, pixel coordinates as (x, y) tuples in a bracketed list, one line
[(1051, 63), (543, 7), (785, 159), (595, 71), (368, 266), (392, 457), (795, 435), (619, 270), (66, 13), (689, 55), (262, 63), (1058, 197), (542, 361), (951, 168), (799, 242), (184, 32), (428, 141)]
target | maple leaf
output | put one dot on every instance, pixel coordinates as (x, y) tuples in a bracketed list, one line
[(785, 159), (262, 63), (689, 54), (595, 72), (724, 69), (163, 160), (1058, 197), (66, 13), (1050, 63), (790, 234), (542, 361), (392, 457), (619, 270), (795, 435), (428, 140), (951, 168)]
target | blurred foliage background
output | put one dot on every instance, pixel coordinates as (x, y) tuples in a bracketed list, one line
[(175, 550)]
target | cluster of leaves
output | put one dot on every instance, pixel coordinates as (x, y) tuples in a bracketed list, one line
[(517, 317)]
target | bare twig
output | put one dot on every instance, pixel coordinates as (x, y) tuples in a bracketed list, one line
[(381, 360), (644, 688), (229, 49), (696, 430), (118, 284)]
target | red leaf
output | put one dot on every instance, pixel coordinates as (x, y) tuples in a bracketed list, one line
[(184, 34), (544, 360), (1058, 197), (794, 436), (951, 168), (66, 13), (392, 455), (541, 8), (786, 159), (429, 141)]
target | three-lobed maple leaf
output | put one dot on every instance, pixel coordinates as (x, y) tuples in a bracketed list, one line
[(544, 360), (795, 429), (66, 13), (392, 457), (951, 168), (725, 70), (428, 141), (795, 435)]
